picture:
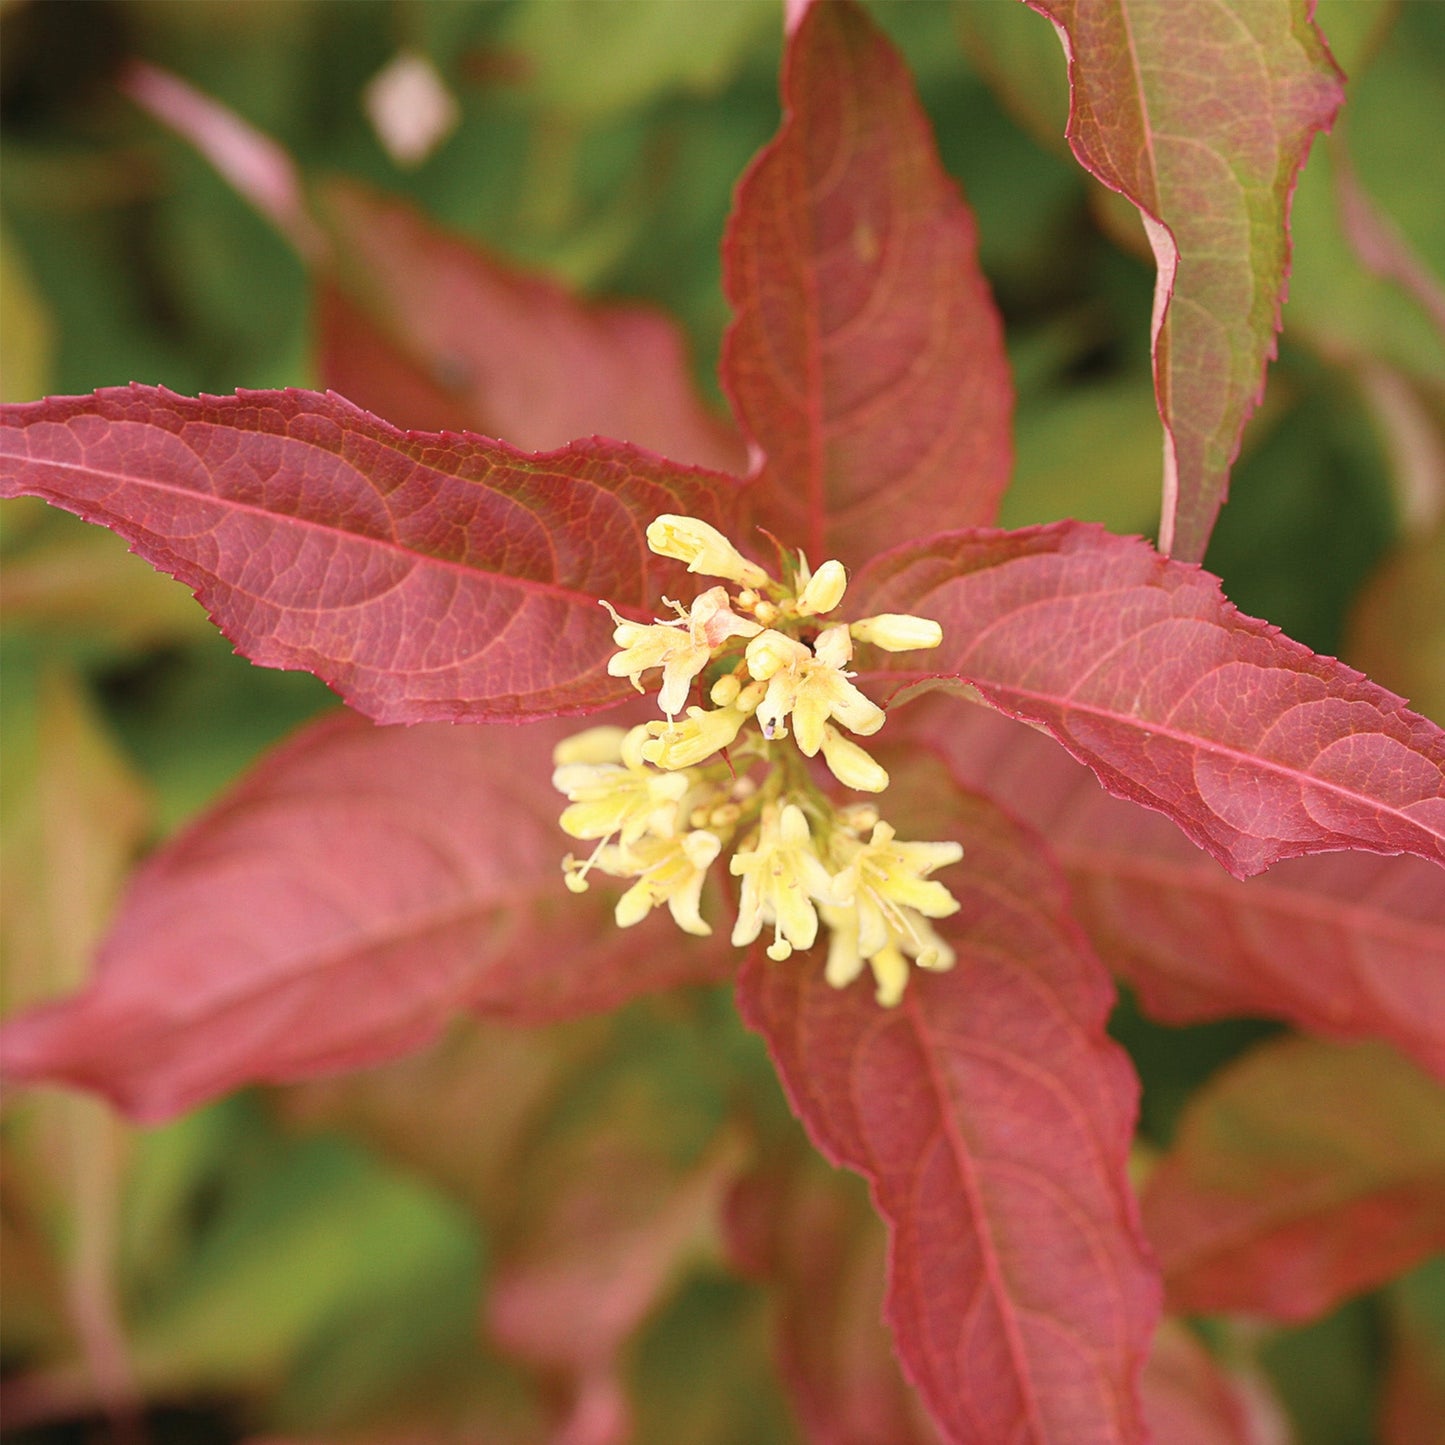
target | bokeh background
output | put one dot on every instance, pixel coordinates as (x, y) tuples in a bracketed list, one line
[(315, 1261)]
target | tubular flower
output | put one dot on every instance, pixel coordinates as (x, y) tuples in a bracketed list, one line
[(668, 870), (886, 889), (674, 745), (664, 805), (812, 686), (897, 631), (781, 876), (823, 591), (703, 548), (681, 648), (618, 795)]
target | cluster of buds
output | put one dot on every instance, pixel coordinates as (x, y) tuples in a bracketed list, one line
[(666, 800)]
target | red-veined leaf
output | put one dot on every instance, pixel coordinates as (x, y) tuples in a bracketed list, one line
[(992, 1117), (426, 577), (865, 359), (361, 886), (809, 1233), (1190, 1399), (1257, 748), (1301, 1174), (462, 337), (1347, 945), (1201, 112)]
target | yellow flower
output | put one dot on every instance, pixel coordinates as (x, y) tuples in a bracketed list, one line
[(781, 876), (681, 648), (809, 685), (882, 901), (673, 745), (703, 548), (822, 591), (850, 764), (668, 870), (611, 790), (897, 631)]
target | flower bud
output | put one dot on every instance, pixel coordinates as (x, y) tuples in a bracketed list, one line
[(703, 548), (898, 631), (824, 590), (851, 765)]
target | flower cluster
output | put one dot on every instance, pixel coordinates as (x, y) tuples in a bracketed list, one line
[(665, 800)]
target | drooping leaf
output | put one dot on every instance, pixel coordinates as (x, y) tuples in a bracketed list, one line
[(1253, 745), (1190, 1399), (424, 577), (865, 358), (992, 1118), (499, 352), (404, 874), (823, 1252), (1346, 945), (1201, 113), (1301, 1174)]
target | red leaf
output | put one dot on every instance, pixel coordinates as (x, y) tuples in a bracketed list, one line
[(510, 355), (1189, 1399), (1201, 112), (992, 1117), (822, 1250), (1347, 945), (408, 873), (1254, 746), (865, 358), (424, 577), (1302, 1174)]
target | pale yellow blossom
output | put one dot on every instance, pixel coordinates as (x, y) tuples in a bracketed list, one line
[(897, 631), (823, 591), (681, 648), (668, 870), (809, 685), (850, 764), (703, 548), (622, 797), (673, 744), (782, 876)]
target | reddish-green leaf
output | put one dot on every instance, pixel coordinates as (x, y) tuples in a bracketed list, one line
[(1201, 112), (992, 1117), (865, 359), (1347, 945), (1254, 746), (494, 350), (360, 887), (1302, 1174), (424, 577)]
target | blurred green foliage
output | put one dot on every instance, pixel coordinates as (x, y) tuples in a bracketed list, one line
[(313, 1280)]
